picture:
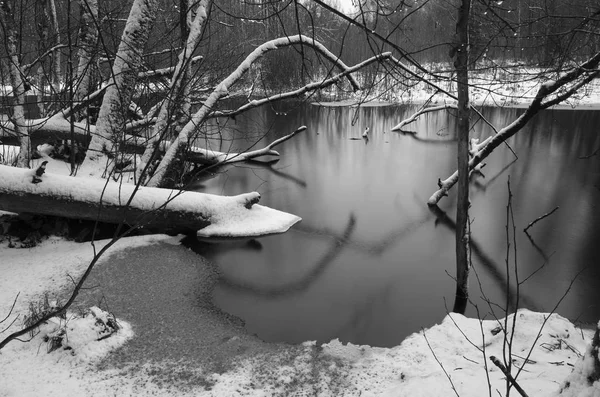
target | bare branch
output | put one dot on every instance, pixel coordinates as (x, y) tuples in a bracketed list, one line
[(302, 90), (206, 156), (222, 90), (441, 365), (422, 111), (543, 93), (27, 67), (512, 380), (539, 219)]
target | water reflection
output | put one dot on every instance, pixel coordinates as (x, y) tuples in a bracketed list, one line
[(368, 264)]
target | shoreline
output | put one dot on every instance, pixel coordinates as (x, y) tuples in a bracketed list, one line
[(377, 103), (163, 357)]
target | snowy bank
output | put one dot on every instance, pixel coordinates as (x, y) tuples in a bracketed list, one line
[(261, 369)]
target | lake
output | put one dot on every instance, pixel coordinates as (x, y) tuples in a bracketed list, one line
[(370, 263)]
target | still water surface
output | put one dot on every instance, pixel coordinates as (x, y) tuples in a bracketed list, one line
[(370, 263)]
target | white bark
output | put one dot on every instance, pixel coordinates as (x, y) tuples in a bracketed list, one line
[(180, 143), (88, 38), (16, 80), (421, 112), (56, 55), (112, 117), (206, 156), (176, 88)]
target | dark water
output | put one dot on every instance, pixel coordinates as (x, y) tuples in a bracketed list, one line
[(370, 263)]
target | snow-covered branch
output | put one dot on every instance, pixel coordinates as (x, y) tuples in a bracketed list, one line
[(111, 118), (206, 156), (176, 88), (165, 71), (578, 76), (27, 67), (421, 112), (222, 90), (318, 85)]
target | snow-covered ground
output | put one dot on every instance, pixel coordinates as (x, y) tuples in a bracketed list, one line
[(512, 86), (458, 349)]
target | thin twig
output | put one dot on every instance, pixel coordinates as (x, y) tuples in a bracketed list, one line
[(539, 219), (9, 313), (595, 152), (512, 380), (441, 365)]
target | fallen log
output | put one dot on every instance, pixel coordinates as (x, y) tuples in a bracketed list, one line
[(160, 210)]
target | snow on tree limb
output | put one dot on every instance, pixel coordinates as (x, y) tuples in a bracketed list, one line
[(27, 67), (576, 78), (206, 156), (174, 96), (222, 90), (302, 90), (111, 119), (420, 112)]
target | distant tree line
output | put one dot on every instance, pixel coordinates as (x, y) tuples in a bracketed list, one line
[(532, 32)]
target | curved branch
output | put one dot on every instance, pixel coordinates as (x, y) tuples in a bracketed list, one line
[(207, 156), (420, 112), (222, 90), (307, 88)]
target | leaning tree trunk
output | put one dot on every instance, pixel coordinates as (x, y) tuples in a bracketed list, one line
[(113, 111), (177, 87), (11, 40), (462, 206), (181, 142)]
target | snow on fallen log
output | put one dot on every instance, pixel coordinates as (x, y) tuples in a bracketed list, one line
[(164, 210)]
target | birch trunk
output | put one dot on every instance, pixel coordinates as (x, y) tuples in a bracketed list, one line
[(16, 80), (175, 97), (43, 45), (113, 111), (88, 38), (56, 56)]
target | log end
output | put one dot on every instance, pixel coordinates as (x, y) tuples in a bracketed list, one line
[(243, 223)]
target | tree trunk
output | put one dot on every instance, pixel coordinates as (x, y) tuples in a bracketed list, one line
[(88, 39), (43, 45), (113, 111), (16, 80), (163, 210), (56, 58), (462, 206), (174, 98)]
